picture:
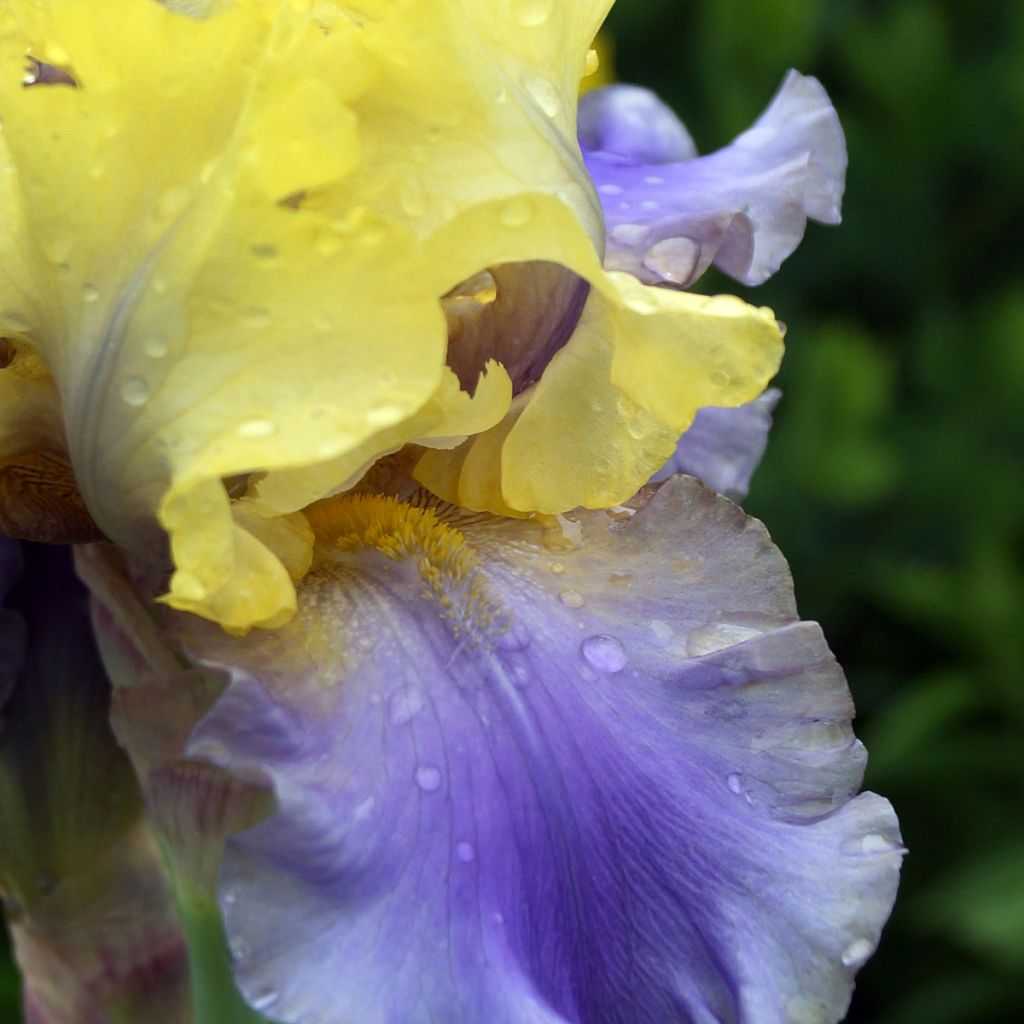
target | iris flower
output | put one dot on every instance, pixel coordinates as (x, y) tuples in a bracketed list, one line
[(345, 347)]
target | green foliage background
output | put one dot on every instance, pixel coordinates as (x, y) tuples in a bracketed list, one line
[(894, 481)]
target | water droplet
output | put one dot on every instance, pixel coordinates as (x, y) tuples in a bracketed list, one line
[(604, 653), (516, 638), (155, 346), (465, 852), (257, 318), (263, 998), (653, 179), (229, 897), (413, 198), (735, 783), (673, 259), (516, 212), (15, 322), (255, 429), (544, 94), (875, 843), (90, 293), (239, 948), (159, 285), (610, 190), (572, 599), (857, 952), (531, 13), (662, 630), (384, 415), (363, 808), (428, 778), (264, 251), (716, 636), (404, 706), (135, 390), (629, 234)]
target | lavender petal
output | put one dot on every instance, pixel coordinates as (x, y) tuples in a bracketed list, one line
[(519, 779), (723, 447), (743, 208)]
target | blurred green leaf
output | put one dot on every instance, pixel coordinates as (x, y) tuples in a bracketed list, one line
[(982, 905)]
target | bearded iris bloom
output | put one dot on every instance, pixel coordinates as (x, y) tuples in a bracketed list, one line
[(358, 361)]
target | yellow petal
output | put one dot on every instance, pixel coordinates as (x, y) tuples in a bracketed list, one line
[(230, 237)]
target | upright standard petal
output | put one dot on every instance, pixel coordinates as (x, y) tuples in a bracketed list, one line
[(243, 284), (671, 214), (516, 782)]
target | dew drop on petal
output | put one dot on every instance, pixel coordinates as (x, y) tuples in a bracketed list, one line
[(384, 414), (735, 783), (673, 259), (868, 845), (404, 706), (263, 998), (544, 94), (239, 949), (135, 391), (516, 638), (90, 293), (428, 778), (531, 13), (257, 318), (155, 346), (413, 198), (605, 653), (264, 251), (857, 952), (572, 599), (630, 234), (465, 852), (514, 213), (254, 429)]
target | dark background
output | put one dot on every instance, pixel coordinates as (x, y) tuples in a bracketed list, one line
[(893, 481)]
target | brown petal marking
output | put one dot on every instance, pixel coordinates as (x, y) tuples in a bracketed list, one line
[(40, 501)]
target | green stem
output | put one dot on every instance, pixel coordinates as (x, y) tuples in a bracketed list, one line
[(215, 997)]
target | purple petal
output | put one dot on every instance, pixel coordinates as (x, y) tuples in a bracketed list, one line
[(723, 447), (520, 314), (520, 783), (632, 122), (743, 208)]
